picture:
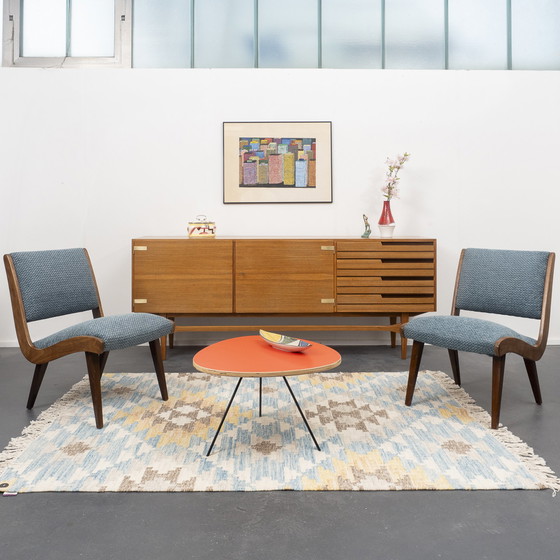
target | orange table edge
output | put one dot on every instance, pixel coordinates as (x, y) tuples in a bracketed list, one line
[(251, 356)]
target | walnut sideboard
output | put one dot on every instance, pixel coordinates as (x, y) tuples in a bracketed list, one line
[(311, 277)]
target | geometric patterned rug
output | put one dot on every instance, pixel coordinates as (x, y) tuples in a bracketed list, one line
[(369, 439)]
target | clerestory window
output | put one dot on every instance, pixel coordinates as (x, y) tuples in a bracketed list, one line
[(383, 34), (67, 33)]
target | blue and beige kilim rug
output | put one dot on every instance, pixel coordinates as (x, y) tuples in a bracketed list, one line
[(369, 439)]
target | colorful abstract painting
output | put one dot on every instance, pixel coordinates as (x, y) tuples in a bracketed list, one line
[(277, 162)]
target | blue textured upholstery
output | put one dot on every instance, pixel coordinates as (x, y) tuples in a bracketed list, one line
[(61, 282), (460, 333), (502, 282), (117, 331), (516, 283), (55, 283)]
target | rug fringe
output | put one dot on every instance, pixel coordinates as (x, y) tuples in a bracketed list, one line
[(534, 463), (17, 445)]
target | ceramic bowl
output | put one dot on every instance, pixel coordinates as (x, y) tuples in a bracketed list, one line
[(285, 343)]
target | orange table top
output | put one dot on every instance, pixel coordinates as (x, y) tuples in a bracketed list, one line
[(251, 356)]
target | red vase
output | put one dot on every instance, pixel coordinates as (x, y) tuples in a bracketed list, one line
[(386, 218)]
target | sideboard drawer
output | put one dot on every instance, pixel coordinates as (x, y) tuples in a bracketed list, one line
[(381, 275), (386, 245), (344, 263)]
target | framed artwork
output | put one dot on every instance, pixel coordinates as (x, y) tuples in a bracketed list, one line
[(268, 162)]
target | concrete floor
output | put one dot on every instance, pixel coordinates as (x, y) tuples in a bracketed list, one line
[(290, 525)]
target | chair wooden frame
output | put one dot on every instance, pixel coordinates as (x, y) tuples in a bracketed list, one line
[(96, 356), (530, 353)]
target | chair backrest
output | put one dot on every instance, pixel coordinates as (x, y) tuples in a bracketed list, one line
[(502, 282), (54, 283)]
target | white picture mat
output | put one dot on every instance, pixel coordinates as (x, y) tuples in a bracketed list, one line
[(321, 131)]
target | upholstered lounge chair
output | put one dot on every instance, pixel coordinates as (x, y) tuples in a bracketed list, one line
[(515, 283), (45, 284)]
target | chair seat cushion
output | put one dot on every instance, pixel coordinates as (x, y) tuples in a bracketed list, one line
[(117, 331), (460, 333)]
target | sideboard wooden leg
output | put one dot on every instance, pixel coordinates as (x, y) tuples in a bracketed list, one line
[(404, 319), (172, 335), (392, 321)]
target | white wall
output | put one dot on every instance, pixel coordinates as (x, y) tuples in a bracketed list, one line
[(96, 157)]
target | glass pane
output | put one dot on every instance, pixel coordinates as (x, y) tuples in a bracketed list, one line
[(161, 34), (478, 34), (288, 34), (44, 28), (223, 34), (351, 34), (535, 34), (93, 28), (414, 34)]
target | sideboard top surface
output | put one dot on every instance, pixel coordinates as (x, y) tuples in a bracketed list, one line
[(272, 237)]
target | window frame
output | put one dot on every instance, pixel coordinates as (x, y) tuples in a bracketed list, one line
[(11, 44)]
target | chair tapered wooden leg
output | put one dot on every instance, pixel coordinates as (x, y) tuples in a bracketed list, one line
[(94, 374), (103, 362), (36, 384), (155, 349), (531, 367), (417, 349), (454, 358), (498, 366)]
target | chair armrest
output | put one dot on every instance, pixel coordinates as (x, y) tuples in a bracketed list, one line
[(64, 348), (515, 345)]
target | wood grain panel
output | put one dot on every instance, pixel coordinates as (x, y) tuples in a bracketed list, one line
[(414, 255), (383, 298), (183, 276), (396, 275), (380, 281), (405, 245), (378, 264), (385, 309), (284, 276), (381, 255), (385, 290), (386, 273)]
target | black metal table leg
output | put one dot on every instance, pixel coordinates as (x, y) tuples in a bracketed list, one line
[(301, 412), (224, 416), (260, 396)]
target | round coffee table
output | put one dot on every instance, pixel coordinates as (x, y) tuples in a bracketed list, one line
[(251, 356)]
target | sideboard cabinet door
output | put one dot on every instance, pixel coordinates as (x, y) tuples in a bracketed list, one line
[(176, 276), (284, 276)]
